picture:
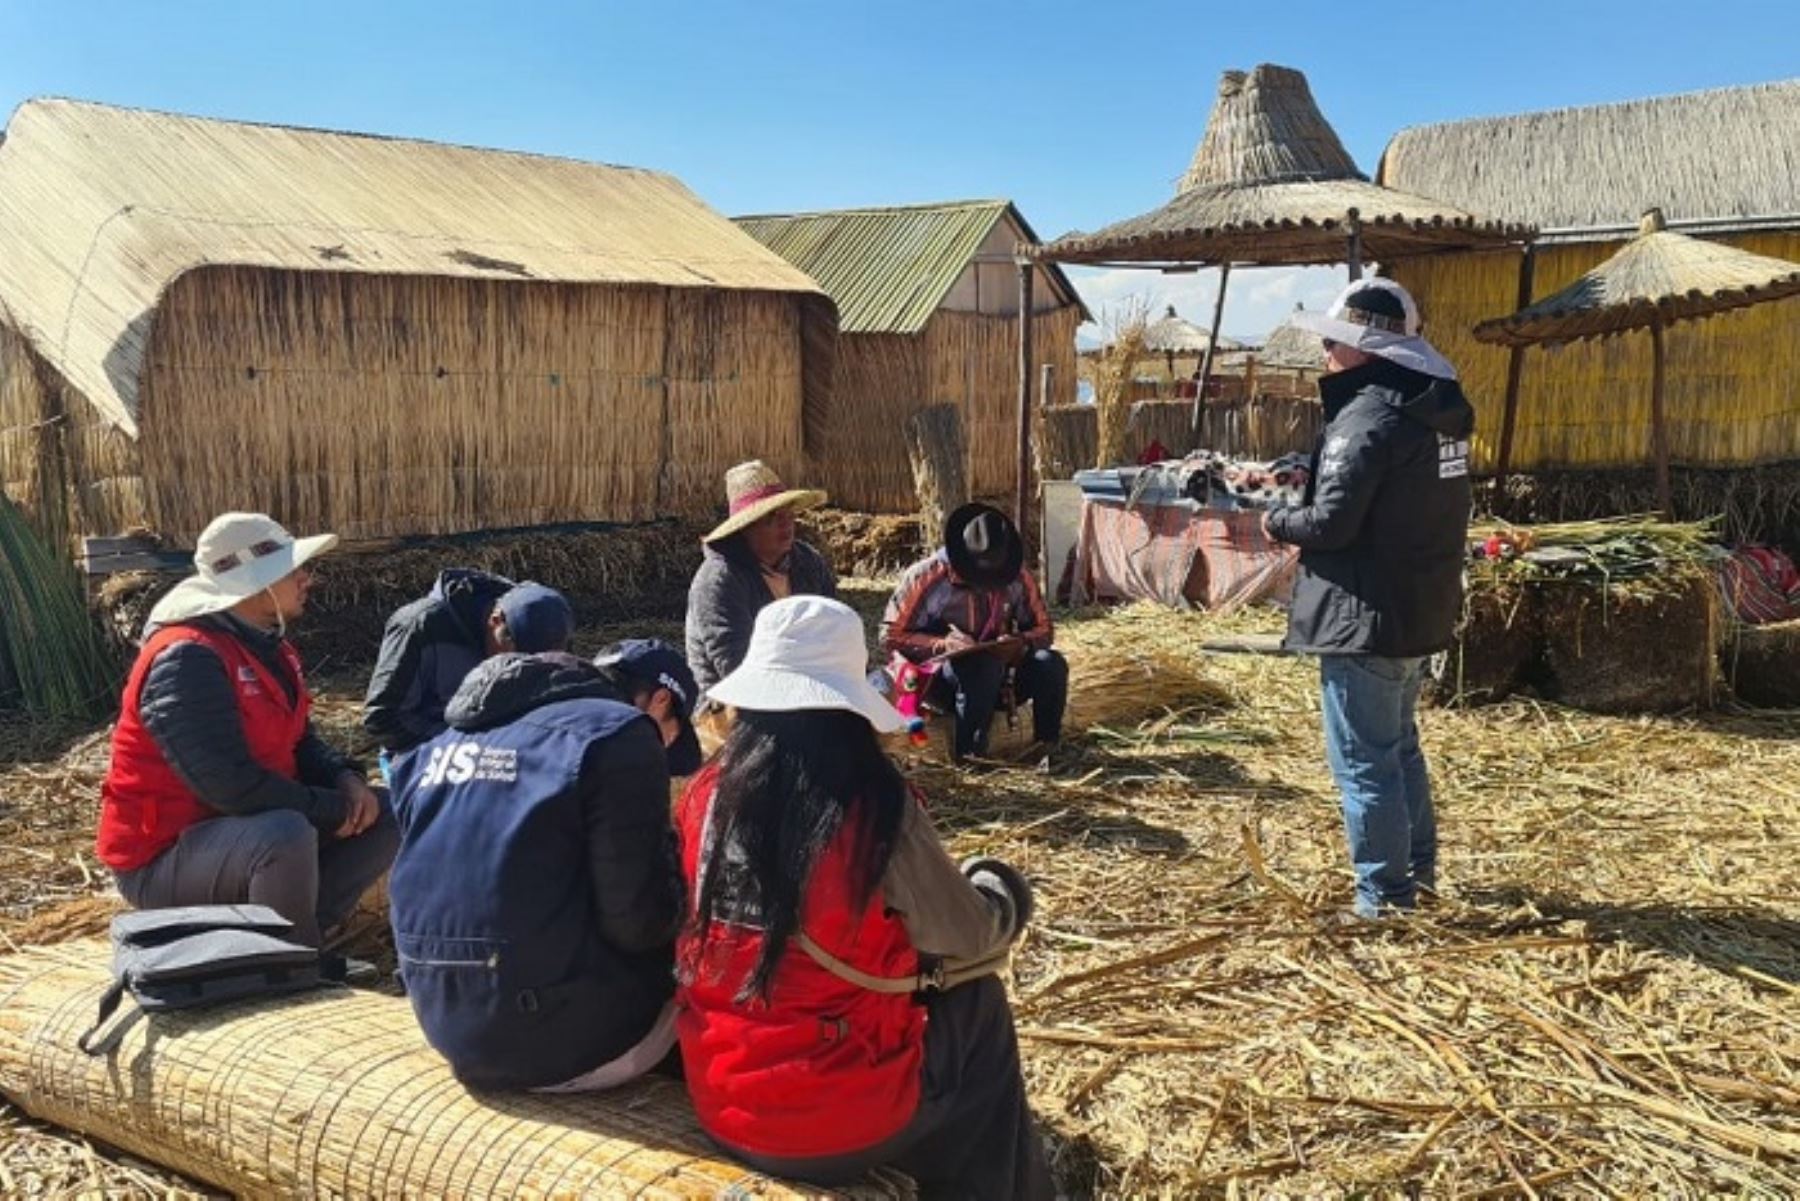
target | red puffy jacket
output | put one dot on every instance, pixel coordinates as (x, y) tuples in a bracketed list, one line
[(824, 1067), (144, 805)]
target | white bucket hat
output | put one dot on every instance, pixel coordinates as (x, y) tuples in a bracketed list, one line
[(807, 652), (238, 555), (1396, 339)]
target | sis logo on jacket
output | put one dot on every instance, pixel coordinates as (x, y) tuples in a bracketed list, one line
[(462, 762), (1453, 457)]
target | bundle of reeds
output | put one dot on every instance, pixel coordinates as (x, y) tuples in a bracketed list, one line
[(1599, 552), (1752, 504), (1616, 616), (873, 545), (53, 662), (1113, 374), (336, 1093)]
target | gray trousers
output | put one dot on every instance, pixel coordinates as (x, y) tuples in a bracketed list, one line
[(276, 859), (972, 1138)]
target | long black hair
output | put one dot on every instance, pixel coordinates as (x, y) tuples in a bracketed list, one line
[(787, 783)]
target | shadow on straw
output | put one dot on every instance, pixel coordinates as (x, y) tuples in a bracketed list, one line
[(1757, 945)]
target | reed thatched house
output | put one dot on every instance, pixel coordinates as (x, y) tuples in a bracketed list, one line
[(1721, 165), (376, 336), (928, 302)]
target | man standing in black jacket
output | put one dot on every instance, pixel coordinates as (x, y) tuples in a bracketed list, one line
[(1381, 536)]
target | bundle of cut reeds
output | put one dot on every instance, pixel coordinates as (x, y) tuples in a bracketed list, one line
[(1113, 374), (1613, 548), (53, 662)]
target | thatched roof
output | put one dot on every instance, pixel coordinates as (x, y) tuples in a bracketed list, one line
[(1175, 334), (1290, 346), (890, 268), (1270, 183), (102, 208), (1657, 277), (1724, 155)]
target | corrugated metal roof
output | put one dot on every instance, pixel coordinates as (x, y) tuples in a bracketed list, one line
[(888, 269), (102, 208)]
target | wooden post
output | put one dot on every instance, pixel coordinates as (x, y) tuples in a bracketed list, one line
[(934, 443), (1212, 344), (1354, 246), (1659, 428), (1022, 501), (1250, 376), (1515, 369)]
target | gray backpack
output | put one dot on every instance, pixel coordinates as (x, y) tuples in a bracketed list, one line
[(201, 955)]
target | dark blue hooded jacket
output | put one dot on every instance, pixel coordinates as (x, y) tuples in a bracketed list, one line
[(538, 891)]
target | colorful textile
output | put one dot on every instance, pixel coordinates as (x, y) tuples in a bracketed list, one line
[(1179, 555), (1761, 584)]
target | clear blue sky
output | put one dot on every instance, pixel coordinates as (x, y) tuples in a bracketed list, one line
[(1082, 113)]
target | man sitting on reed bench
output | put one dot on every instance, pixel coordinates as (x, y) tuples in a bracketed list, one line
[(970, 616), (537, 892), (430, 644), (220, 791)]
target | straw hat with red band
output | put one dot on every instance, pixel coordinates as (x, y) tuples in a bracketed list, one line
[(753, 491)]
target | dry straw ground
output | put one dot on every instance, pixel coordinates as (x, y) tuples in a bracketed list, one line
[(1607, 1003)]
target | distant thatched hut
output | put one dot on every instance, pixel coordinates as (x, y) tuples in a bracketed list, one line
[(1720, 164), (928, 298), (376, 336)]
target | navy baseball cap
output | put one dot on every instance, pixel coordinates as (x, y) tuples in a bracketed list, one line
[(654, 662), (537, 617)]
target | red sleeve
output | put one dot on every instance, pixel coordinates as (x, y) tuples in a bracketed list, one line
[(905, 608), (1031, 615)]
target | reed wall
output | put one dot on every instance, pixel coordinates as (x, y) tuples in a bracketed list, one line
[(69, 469), (967, 359), (379, 406), (1732, 387)]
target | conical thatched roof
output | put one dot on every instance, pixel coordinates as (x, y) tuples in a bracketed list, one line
[(1271, 183), (1174, 334), (1290, 346), (1658, 276)]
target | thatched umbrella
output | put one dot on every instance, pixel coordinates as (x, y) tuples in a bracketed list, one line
[(1658, 278), (1271, 185), (1173, 334), (1294, 348)]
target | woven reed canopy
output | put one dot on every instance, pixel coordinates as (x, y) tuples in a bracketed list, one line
[(1271, 184), (1659, 277)]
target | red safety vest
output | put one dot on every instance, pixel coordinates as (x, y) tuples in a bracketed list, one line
[(824, 1067), (144, 805)]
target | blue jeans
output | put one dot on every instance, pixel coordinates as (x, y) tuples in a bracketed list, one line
[(1372, 742)]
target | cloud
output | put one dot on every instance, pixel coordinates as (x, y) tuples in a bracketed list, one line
[(1257, 300)]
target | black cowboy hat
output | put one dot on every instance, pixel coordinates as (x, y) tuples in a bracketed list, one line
[(984, 546)]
